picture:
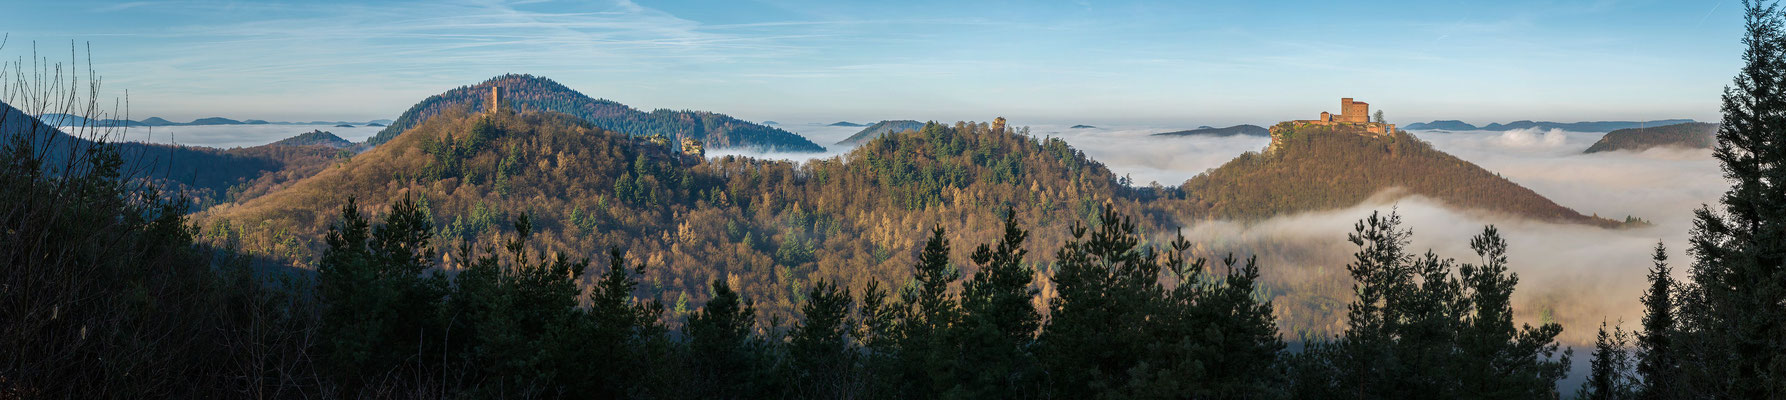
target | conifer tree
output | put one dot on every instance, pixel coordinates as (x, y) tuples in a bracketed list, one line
[(999, 322), (380, 308), (1501, 361), (1656, 361), (928, 357), (724, 354), (820, 345), (1609, 376), (1734, 314), (1108, 286)]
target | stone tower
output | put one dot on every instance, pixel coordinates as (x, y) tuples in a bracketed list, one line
[(495, 102), (1354, 111), (998, 124)]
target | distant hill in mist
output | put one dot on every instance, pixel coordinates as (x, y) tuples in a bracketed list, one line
[(882, 128), (202, 174), (1587, 126), (315, 138), (1697, 135), (1246, 130)]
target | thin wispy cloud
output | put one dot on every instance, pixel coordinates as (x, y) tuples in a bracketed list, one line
[(238, 57)]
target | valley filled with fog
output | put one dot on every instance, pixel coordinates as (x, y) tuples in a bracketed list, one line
[(228, 136), (1575, 274)]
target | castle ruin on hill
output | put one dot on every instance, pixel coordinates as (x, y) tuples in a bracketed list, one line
[(495, 101), (1354, 116)]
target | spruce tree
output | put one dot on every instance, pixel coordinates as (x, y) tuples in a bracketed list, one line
[(1609, 376), (1735, 315), (1656, 361)]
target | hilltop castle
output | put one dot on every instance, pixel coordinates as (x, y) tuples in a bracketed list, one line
[(1354, 115), (1351, 113)]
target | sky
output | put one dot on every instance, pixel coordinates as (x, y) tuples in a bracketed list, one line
[(1180, 63)]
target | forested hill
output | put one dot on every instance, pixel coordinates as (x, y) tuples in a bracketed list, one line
[(882, 128), (763, 225), (1695, 135), (315, 138), (1247, 130), (538, 93), (1324, 168)]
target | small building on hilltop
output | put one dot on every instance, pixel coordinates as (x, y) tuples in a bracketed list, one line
[(1354, 116)]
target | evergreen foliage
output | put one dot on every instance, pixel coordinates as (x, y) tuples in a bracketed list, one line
[(1731, 315), (1418, 331)]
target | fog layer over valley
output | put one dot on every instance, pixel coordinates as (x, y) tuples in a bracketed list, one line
[(227, 136), (1575, 274)]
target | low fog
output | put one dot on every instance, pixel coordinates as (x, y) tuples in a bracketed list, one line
[(227, 136), (1580, 275)]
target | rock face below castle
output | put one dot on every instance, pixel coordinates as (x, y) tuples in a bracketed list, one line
[(1354, 117)]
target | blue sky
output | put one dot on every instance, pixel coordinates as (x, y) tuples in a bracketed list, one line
[(1102, 62)]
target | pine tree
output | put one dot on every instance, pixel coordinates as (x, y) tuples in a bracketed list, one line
[(1656, 361), (1499, 360), (380, 309), (820, 345), (1098, 332), (726, 358), (1417, 332), (1734, 315), (999, 322), (1363, 359), (1241, 330)]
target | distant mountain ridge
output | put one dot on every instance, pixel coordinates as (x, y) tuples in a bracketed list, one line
[(59, 119), (715, 130), (1447, 125), (1585, 126), (845, 123), (881, 128), (202, 174), (1696, 135), (1237, 130)]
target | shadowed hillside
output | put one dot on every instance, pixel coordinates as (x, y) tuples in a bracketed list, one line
[(538, 93), (1693, 135), (881, 128), (315, 138)]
